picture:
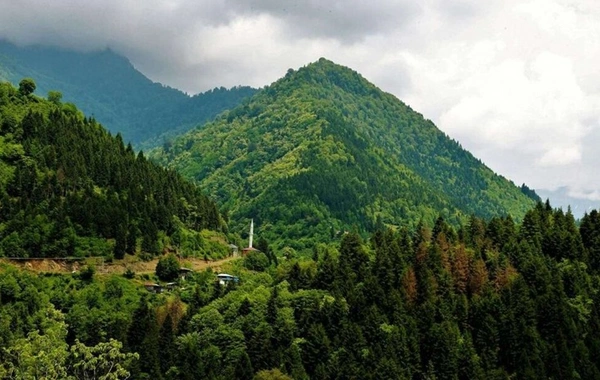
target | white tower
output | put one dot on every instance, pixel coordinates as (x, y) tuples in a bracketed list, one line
[(251, 233)]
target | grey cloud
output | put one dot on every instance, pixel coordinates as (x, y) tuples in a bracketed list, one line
[(157, 36), (93, 25), (462, 10), (346, 21)]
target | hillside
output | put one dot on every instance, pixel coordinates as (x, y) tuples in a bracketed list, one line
[(107, 86), (498, 301), (69, 188), (322, 150)]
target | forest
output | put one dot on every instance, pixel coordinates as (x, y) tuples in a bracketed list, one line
[(69, 188), (322, 150), (490, 300), (448, 273)]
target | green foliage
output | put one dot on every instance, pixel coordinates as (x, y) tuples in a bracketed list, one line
[(40, 355), (129, 274), (272, 374), (105, 361), (143, 338), (494, 300), (323, 150), (26, 87), (69, 188), (55, 97), (256, 260), (87, 273), (167, 268), (37, 338)]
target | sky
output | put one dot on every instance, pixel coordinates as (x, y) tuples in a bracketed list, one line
[(515, 82)]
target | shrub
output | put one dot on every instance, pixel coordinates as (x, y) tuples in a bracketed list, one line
[(167, 268), (129, 274), (256, 260), (87, 273)]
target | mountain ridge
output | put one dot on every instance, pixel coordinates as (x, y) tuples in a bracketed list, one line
[(107, 86), (346, 152)]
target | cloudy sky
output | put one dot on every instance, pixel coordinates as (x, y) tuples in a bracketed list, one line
[(515, 82)]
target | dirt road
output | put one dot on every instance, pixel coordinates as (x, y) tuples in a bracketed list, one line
[(117, 266)]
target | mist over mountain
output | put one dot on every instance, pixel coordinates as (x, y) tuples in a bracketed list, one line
[(105, 85)]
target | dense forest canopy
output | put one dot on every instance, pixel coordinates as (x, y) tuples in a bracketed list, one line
[(322, 150), (463, 275), (107, 86), (492, 300), (70, 188)]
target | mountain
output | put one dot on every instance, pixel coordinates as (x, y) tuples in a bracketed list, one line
[(107, 86), (69, 188), (322, 150)]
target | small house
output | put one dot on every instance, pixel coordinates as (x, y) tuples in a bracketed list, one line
[(184, 272), (153, 288), (226, 279), (233, 250)]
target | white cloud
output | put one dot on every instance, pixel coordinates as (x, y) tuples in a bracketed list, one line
[(518, 94)]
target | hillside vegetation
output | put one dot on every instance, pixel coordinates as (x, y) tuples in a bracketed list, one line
[(69, 188), (322, 150), (107, 86), (493, 297), (493, 300)]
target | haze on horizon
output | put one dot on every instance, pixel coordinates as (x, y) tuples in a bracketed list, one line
[(513, 81)]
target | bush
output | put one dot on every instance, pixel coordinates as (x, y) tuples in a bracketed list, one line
[(87, 273), (272, 374), (256, 260), (129, 274), (167, 268), (26, 86)]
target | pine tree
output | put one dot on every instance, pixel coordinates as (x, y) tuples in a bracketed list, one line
[(326, 270), (131, 242), (243, 367), (120, 241), (167, 344), (143, 338), (315, 350)]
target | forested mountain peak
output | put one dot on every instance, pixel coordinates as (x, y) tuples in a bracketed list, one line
[(328, 74), (70, 188), (322, 149), (325, 70), (106, 85)]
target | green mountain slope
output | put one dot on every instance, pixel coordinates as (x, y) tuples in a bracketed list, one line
[(106, 85), (69, 188), (322, 150)]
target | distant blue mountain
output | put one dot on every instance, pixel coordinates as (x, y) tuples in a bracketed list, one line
[(561, 198), (107, 86)]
